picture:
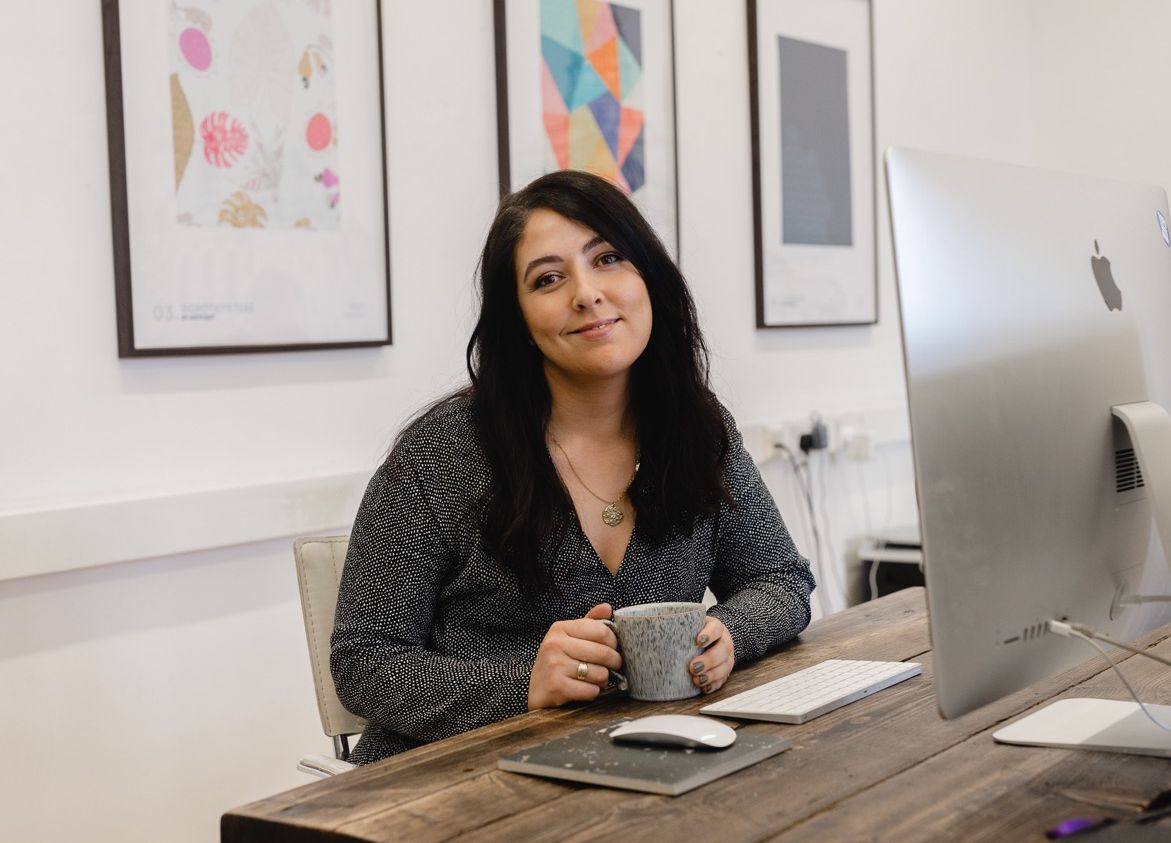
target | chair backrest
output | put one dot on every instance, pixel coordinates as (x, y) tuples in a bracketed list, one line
[(319, 570)]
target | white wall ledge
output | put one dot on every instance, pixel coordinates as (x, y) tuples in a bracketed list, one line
[(51, 540)]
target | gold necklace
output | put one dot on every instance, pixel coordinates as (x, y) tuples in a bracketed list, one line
[(612, 513)]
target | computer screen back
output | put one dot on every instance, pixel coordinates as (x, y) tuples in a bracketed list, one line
[(1031, 302)]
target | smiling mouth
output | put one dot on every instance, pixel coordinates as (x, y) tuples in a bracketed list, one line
[(595, 326)]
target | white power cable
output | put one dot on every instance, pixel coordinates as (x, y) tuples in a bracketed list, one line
[(1088, 634), (823, 470), (864, 494), (884, 459), (806, 493)]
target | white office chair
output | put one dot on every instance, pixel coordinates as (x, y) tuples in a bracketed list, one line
[(319, 569)]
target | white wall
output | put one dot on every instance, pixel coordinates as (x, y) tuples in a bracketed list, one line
[(158, 693)]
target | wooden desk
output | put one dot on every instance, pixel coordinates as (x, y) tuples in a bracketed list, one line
[(884, 768)]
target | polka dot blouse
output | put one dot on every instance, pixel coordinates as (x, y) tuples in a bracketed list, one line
[(433, 636)]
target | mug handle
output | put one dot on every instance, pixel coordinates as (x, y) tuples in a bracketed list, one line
[(617, 680)]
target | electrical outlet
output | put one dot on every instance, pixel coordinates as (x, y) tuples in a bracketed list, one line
[(787, 435), (856, 443), (850, 436), (816, 438), (758, 441), (861, 448)]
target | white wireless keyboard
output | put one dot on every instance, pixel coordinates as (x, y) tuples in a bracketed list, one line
[(814, 691)]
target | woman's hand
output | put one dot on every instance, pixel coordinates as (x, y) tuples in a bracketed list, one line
[(711, 668), (574, 660)]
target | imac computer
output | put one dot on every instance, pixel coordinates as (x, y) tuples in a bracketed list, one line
[(1036, 327)]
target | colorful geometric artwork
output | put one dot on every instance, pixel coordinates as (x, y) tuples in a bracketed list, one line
[(254, 114), (591, 99)]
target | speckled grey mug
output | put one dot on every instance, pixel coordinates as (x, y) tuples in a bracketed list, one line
[(657, 640)]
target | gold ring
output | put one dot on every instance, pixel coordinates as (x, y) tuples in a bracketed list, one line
[(583, 670)]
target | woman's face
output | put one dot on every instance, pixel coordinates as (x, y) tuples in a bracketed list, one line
[(585, 305)]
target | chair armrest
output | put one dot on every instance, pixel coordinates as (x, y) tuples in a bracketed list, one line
[(323, 766)]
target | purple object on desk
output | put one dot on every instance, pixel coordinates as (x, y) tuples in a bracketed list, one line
[(1075, 825)]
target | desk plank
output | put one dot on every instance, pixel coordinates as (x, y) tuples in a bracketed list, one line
[(318, 810)]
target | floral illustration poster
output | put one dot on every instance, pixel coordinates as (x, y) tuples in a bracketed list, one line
[(248, 174), (256, 145)]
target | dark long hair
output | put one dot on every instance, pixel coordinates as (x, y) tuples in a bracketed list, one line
[(682, 438)]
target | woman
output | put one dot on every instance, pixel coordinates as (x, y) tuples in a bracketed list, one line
[(587, 467)]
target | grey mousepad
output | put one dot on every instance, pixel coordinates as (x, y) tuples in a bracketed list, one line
[(590, 756)]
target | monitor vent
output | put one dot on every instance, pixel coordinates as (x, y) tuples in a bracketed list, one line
[(1035, 631), (1127, 474)]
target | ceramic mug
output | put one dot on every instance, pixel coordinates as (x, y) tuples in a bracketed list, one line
[(657, 643)]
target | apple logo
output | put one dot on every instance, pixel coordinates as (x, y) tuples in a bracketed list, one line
[(1105, 278)]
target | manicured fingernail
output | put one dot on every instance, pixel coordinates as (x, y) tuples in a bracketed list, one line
[(703, 680), (703, 639), (707, 689), (697, 667)]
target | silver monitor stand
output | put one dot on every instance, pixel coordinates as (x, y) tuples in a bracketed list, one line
[(1115, 725)]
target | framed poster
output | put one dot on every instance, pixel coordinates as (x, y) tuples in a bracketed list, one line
[(247, 175), (590, 85), (809, 67)]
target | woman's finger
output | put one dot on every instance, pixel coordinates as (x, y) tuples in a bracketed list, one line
[(591, 629), (711, 668), (718, 647), (713, 630), (594, 674), (715, 671), (579, 650)]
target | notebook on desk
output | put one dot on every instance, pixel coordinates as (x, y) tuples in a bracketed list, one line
[(590, 756)]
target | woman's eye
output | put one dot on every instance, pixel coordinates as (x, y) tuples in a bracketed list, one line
[(609, 258), (544, 281)]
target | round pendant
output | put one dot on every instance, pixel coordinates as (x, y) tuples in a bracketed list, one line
[(612, 515)]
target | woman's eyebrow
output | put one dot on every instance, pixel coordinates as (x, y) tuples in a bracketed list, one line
[(535, 262), (595, 242)]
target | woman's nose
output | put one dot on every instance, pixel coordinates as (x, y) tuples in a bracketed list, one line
[(586, 292)]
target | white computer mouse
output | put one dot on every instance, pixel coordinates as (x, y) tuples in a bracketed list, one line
[(685, 730)]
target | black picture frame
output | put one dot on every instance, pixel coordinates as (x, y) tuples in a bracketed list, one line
[(826, 283), (127, 273)]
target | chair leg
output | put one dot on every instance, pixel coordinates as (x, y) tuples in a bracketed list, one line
[(341, 747)]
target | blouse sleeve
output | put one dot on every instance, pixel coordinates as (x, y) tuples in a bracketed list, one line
[(399, 554), (760, 580)]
